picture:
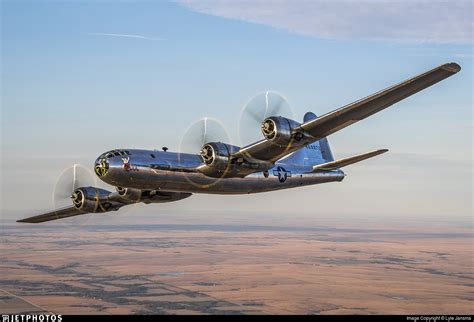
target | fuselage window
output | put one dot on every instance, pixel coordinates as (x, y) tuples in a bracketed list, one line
[(117, 154), (152, 155)]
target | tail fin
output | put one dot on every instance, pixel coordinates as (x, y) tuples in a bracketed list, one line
[(314, 153)]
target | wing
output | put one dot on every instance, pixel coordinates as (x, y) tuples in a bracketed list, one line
[(109, 201), (349, 114), (333, 165), (53, 215), (359, 110)]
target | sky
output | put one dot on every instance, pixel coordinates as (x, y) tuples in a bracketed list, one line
[(83, 77)]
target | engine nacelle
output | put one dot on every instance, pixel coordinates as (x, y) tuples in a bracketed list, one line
[(90, 199), (130, 194), (216, 156), (155, 196), (281, 131)]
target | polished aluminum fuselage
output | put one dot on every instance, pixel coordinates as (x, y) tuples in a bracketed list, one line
[(153, 170)]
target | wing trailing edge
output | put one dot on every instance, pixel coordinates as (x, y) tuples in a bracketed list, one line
[(333, 165)]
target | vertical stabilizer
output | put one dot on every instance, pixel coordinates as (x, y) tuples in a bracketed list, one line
[(315, 153)]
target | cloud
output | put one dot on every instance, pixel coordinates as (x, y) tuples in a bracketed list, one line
[(413, 21), (123, 36)]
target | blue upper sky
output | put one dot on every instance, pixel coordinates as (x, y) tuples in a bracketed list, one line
[(79, 78)]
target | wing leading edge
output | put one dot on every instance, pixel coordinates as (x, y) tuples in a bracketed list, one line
[(338, 119)]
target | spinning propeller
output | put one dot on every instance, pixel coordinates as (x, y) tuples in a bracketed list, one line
[(69, 180), (257, 109), (199, 133), (203, 131)]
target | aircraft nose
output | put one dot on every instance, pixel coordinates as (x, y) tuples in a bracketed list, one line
[(101, 166)]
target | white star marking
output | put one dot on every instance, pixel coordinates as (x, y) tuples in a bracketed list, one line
[(281, 174)]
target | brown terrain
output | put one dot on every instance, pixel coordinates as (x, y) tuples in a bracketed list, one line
[(236, 269)]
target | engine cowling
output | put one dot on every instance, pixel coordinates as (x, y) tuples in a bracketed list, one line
[(281, 131), (90, 199), (216, 156), (130, 194)]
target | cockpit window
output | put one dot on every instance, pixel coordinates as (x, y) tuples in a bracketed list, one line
[(112, 153)]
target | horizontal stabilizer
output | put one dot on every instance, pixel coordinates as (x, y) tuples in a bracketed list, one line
[(53, 215), (346, 161)]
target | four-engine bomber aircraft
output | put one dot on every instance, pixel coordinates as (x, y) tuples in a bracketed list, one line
[(291, 154)]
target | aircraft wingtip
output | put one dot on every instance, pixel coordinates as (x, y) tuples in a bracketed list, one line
[(452, 67)]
